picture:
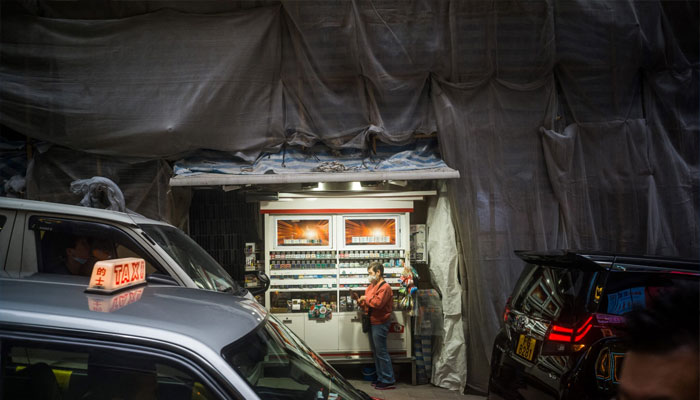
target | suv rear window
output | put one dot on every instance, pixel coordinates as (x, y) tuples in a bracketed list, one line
[(625, 291), (554, 293)]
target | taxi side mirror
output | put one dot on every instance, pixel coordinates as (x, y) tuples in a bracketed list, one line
[(264, 283)]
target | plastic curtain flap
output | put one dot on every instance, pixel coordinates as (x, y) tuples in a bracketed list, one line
[(450, 359)]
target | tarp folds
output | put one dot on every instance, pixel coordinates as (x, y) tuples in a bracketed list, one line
[(154, 85), (144, 184), (292, 160), (530, 101)]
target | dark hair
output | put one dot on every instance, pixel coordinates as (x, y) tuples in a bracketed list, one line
[(67, 241), (671, 321), (376, 266)]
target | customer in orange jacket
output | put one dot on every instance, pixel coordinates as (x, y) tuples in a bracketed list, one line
[(378, 302)]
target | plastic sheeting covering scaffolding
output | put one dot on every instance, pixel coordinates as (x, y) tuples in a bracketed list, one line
[(558, 144)]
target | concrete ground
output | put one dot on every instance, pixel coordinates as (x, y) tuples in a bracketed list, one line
[(407, 391), (404, 389)]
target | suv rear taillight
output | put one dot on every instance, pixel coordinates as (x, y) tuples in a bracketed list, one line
[(561, 339), (506, 310)]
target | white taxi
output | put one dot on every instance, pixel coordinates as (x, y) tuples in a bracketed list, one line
[(40, 238)]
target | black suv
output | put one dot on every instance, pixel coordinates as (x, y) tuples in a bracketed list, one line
[(561, 334)]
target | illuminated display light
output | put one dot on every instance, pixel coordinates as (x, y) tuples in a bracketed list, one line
[(370, 231), (110, 276), (310, 232)]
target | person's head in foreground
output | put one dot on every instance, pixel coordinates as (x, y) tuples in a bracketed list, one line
[(662, 358)]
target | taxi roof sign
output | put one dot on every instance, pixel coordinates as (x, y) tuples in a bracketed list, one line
[(110, 276)]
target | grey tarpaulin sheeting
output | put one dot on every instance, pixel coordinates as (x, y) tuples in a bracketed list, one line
[(449, 355), (144, 184), (584, 134), (572, 123)]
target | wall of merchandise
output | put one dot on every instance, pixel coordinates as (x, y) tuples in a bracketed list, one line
[(314, 261)]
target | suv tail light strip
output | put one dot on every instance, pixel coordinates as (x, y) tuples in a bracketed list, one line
[(563, 334), (506, 311)]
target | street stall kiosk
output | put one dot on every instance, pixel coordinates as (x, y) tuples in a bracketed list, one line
[(317, 251)]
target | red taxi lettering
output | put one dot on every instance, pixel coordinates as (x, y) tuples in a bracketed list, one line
[(135, 273), (116, 274), (125, 275)]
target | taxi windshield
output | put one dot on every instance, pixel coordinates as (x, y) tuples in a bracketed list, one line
[(278, 365), (200, 266)]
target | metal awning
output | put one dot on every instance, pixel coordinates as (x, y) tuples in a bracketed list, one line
[(215, 179)]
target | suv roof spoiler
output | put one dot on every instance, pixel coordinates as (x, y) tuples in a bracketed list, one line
[(600, 260), (560, 258)]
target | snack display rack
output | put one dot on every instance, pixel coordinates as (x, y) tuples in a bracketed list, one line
[(314, 261)]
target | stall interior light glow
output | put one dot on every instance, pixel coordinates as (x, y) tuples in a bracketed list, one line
[(356, 186)]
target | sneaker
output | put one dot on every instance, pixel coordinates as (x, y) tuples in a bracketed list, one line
[(374, 383), (385, 386)]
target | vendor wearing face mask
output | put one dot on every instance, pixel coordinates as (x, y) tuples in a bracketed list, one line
[(378, 302)]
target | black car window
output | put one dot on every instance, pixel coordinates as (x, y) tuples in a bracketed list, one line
[(625, 290), (50, 370), (94, 241), (554, 293), (3, 246)]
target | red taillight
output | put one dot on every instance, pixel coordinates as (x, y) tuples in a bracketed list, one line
[(684, 273), (559, 338), (582, 335), (557, 328), (564, 334), (506, 311)]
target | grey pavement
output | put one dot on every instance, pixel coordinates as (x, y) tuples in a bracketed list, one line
[(408, 391)]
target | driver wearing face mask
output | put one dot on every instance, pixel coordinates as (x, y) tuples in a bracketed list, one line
[(76, 259)]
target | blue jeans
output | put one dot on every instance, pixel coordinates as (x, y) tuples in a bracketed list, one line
[(382, 361)]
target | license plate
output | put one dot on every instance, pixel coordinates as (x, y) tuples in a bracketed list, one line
[(526, 347)]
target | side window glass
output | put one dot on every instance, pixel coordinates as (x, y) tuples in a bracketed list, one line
[(58, 371), (4, 239), (625, 291), (72, 247)]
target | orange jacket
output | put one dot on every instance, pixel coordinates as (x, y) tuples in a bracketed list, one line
[(380, 298)]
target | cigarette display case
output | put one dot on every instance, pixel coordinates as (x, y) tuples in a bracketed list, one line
[(314, 261)]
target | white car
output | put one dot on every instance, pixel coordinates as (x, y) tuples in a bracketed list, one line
[(38, 238)]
